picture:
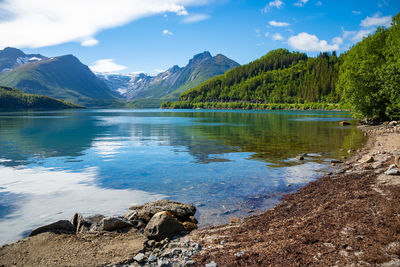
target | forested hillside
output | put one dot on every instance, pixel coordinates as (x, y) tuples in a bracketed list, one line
[(278, 77), (13, 99)]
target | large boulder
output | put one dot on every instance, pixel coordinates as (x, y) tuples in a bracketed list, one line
[(163, 225), (180, 210), (59, 227)]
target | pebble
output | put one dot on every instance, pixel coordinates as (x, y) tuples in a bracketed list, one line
[(139, 257), (152, 258), (239, 254), (211, 264)]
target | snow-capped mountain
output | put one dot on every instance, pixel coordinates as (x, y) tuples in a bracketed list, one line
[(170, 83), (11, 58)]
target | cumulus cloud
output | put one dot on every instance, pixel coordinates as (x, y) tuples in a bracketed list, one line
[(273, 4), (337, 40), (310, 43), (167, 32), (277, 37), (90, 42), (361, 34), (106, 65), (278, 23), (376, 20), (301, 3), (193, 18), (39, 23)]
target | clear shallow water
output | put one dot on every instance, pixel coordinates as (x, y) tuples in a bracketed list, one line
[(53, 164)]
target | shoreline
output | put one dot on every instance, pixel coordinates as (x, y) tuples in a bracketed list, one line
[(339, 219)]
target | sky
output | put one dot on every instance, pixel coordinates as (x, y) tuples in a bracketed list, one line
[(128, 36)]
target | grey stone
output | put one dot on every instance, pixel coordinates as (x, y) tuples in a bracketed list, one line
[(59, 227), (367, 159), (130, 215), (163, 262), (92, 223), (335, 161), (393, 123), (78, 221), (392, 171), (211, 264), (163, 225), (176, 251), (190, 263), (180, 210), (139, 257), (115, 223), (239, 254), (152, 258)]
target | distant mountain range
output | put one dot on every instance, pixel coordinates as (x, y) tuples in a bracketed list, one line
[(65, 77), (170, 83), (62, 77)]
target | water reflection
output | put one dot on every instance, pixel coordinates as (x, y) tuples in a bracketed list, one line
[(42, 195), (100, 161)]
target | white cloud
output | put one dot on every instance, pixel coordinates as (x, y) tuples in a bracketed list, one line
[(310, 43), (278, 23), (355, 12), (266, 34), (90, 42), (39, 23), (319, 3), (337, 40), (106, 65), (68, 192), (301, 3), (167, 32), (195, 18), (276, 3), (277, 37), (376, 20), (361, 34)]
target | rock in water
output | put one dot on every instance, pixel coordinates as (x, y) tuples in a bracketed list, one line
[(163, 225), (59, 227), (344, 123), (180, 210)]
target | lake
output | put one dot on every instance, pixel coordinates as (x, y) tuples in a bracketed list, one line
[(227, 163)]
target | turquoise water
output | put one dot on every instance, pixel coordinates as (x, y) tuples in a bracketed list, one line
[(227, 163)]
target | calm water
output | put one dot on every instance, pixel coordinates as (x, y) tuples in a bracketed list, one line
[(53, 164)]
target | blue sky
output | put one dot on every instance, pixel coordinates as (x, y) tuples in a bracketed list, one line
[(149, 36)]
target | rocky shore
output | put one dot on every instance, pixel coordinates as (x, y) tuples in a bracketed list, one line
[(349, 217)]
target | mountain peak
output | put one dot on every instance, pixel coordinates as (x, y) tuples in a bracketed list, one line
[(200, 57), (12, 52)]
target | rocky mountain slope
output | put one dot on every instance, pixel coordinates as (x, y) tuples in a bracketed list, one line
[(63, 77), (172, 82)]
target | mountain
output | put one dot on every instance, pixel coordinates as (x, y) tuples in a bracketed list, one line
[(62, 77), (278, 77), (11, 58), (13, 99), (172, 82)]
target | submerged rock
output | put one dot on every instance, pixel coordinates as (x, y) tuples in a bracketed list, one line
[(344, 123), (180, 210), (59, 227), (163, 225)]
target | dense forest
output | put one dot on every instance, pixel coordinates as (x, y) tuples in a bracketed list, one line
[(13, 99), (365, 79), (278, 77)]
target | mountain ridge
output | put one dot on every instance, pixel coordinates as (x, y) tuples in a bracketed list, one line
[(170, 83)]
